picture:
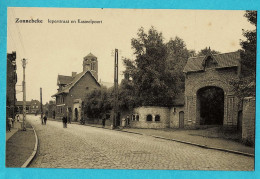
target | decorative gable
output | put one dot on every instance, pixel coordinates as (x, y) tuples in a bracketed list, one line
[(209, 62)]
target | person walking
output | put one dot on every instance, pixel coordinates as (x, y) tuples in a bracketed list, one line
[(45, 119), (64, 120)]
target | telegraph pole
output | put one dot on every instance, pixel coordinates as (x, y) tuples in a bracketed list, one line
[(24, 62), (41, 104), (115, 106)]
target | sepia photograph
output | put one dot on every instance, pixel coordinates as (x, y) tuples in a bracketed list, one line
[(150, 89)]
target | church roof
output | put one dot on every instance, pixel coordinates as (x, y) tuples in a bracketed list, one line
[(90, 55), (223, 60), (74, 80)]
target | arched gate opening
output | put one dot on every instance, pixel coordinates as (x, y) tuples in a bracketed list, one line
[(210, 105)]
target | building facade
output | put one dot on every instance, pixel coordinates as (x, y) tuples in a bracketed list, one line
[(19, 105), (201, 73), (216, 72), (73, 89), (35, 107), (11, 80)]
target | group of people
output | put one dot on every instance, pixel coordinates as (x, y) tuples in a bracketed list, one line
[(64, 121), (10, 122)]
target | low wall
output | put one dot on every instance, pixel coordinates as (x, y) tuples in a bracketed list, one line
[(248, 121), (163, 112)]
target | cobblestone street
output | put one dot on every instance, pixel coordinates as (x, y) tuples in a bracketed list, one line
[(88, 147)]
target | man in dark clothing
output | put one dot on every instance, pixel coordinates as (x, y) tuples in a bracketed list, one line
[(45, 119), (64, 120), (104, 121)]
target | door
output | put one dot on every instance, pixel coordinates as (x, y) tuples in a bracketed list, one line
[(181, 119)]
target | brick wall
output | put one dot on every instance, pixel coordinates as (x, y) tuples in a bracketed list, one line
[(210, 77), (248, 121)]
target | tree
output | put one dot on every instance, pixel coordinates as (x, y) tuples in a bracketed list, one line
[(177, 56), (97, 103), (246, 86), (248, 54), (150, 77), (206, 50)]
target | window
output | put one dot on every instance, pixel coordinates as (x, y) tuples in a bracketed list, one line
[(157, 118), (133, 117), (149, 117), (137, 117)]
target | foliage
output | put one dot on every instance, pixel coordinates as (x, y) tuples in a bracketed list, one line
[(177, 56), (155, 77), (150, 77), (246, 86), (97, 103), (206, 50)]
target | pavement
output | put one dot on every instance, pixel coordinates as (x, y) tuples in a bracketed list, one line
[(191, 137), (81, 146), (17, 125), (20, 145)]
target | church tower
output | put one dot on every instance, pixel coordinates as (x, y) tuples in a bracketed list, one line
[(90, 63)]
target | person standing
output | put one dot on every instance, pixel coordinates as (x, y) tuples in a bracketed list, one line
[(9, 124), (104, 121), (13, 122)]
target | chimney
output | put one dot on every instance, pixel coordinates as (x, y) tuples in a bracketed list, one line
[(74, 74)]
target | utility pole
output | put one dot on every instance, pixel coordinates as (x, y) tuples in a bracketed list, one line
[(41, 104), (115, 106), (24, 95)]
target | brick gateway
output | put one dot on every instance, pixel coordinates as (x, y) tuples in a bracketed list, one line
[(211, 71)]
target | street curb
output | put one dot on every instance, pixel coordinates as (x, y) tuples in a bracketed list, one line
[(189, 143), (29, 160), (206, 147)]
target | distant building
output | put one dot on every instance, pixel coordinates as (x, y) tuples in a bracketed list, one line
[(35, 107), (19, 105), (11, 80), (73, 89)]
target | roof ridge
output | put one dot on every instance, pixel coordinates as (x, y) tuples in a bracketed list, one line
[(213, 54)]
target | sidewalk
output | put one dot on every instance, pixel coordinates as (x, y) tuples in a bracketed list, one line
[(19, 145), (17, 125), (192, 138)]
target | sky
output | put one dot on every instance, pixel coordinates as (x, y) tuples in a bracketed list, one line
[(59, 48)]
